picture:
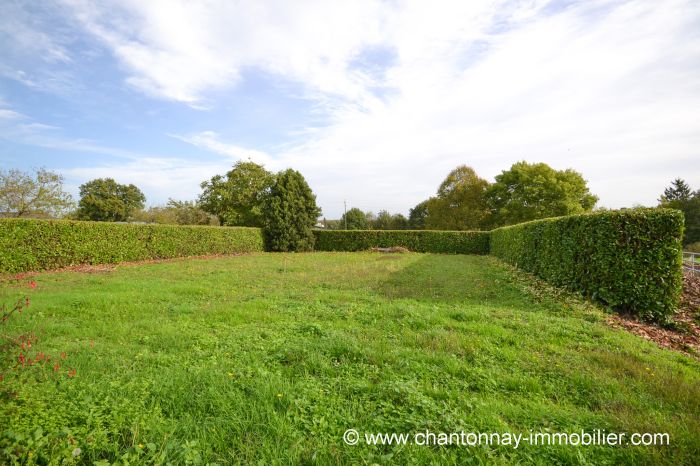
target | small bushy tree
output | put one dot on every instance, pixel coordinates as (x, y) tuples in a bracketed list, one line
[(290, 213), (188, 213), (237, 198), (175, 213), (104, 199), (383, 221), (387, 221), (36, 195), (398, 222), (354, 219)]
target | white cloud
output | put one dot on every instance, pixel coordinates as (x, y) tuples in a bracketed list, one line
[(211, 141), (178, 50), (7, 114), (177, 178), (157, 176), (35, 47), (33, 133), (22, 33), (607, 87)]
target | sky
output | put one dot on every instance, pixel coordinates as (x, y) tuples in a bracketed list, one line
[(374, 102)]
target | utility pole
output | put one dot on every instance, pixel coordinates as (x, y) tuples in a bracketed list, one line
[(345, 213)]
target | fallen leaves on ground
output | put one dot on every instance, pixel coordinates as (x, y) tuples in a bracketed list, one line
[(684, 336)]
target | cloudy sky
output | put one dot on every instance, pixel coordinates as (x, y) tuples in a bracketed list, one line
[(373, 101)]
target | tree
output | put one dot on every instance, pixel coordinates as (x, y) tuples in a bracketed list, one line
[(238, 198), (679, 191), (104, 199), (417, 216), (532, 191), (399, 222), (213, 197), (33, 195), (680, 196), (290, 213), (383, 221), (175, 213), (354, 219), (460, 203), (691, 212), (387, 221), (188, 213)]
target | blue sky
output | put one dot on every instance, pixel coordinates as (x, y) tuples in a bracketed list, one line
[(374, 102)]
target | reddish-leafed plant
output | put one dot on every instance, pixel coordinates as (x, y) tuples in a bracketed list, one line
[(18, 353)]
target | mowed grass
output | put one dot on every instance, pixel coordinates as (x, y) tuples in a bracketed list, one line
[(270, 358)]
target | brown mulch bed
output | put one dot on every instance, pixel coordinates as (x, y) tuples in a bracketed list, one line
[(104, 268), (685, 336)]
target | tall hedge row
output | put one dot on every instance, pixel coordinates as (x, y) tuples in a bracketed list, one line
[(629, 259), (46, 244), (450, 242)]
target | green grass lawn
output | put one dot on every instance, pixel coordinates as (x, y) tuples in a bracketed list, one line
[(270, 358)]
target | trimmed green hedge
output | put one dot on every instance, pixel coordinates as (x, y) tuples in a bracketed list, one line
[(628, 259), (47, 244), (451, 242)]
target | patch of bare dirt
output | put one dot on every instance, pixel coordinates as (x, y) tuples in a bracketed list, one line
[(393, 249), (684, 333)]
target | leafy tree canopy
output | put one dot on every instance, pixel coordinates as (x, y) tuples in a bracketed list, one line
[(175, 213), (398, 222), (36, 195), (460, 203), (383, 221), (104, 199), (532, 191), (354, 219), (680, 196), (417, 216), (188, 213), (238, 198), (387, 221), (679, 191), (290, 213)]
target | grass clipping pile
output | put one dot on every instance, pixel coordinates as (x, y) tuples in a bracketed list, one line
[(393, 249), (683, 334)]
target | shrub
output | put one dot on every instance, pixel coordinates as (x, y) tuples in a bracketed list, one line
[(628, 259), (46, 244), (290, 212), (450, 242)]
